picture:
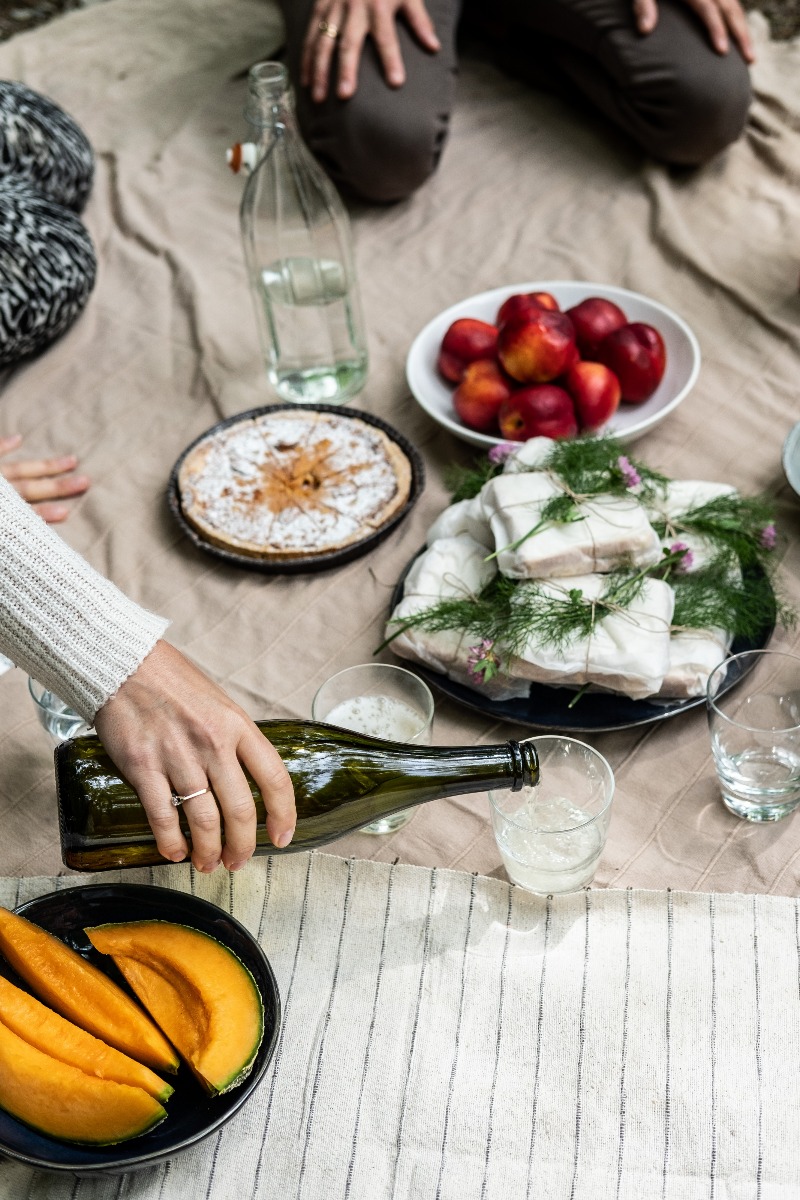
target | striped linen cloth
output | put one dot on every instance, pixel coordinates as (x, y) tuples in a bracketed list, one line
[(449, 1036)]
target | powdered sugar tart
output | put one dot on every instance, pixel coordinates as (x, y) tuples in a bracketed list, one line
[(287, 485)]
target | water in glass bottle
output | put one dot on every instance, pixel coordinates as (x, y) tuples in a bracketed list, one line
[(298, 250)]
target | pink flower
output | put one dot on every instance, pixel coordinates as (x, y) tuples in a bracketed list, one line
[(630, 475), (768, 537), (499, 454), (482, 662), (686, 559)]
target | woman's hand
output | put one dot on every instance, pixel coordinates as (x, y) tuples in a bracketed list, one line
[(170, 729), (43, 481), (722, 18), (346, 24)]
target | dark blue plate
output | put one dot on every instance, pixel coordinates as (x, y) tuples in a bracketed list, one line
[(191, 1114), (547, 707)]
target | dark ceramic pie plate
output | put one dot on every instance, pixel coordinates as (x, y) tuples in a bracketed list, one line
[(192, 1115), (307, 562)]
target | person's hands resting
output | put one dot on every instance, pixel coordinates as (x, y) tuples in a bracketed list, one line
[(342, 26), (722, 18), (43, 482), (171, 729)]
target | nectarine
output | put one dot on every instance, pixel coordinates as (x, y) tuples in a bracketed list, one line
[(593, 319), (478, 397), (595, 391), (539, 348), (542, 411), (467, 340), (637, 356)]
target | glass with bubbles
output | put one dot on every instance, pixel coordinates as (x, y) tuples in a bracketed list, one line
[(381, 700), (551, 836)]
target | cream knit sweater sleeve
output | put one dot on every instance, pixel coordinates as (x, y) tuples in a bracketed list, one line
[(61, 621)]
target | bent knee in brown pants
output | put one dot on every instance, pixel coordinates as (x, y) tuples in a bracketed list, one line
[(670, 91)]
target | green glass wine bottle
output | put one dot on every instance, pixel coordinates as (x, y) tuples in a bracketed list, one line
[(342, 780)]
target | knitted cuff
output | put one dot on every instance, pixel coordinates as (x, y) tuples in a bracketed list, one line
[(61, 621)]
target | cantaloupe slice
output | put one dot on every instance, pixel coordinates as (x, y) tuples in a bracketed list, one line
[(82, 993), (202, 996), (61, 1101), (39, 1026)]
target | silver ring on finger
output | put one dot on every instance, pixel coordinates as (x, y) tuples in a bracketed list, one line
[(179, 800)]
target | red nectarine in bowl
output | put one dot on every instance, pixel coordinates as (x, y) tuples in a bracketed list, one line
[(522, 304), (537, 348), (477, 399), (434, 393), (592, 320), (466, 341), (596, 393), (544, 410), (637, 356)]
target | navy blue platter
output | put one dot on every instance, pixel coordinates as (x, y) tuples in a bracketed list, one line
[(192, 1114), (548, 708)]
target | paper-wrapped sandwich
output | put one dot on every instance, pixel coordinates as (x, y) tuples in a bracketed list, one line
[(569, 564)]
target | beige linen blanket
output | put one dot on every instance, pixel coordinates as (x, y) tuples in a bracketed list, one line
[(452, 1037), (528, 189)]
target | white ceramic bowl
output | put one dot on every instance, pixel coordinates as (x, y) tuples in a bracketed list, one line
[(434, 394), (791, 458)]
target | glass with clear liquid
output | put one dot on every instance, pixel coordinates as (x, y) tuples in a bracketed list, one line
[(299, 255), (551, 836), (557, 852), (56, 717), (755, 733)]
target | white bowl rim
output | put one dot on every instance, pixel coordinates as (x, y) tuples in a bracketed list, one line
[(791, 458)]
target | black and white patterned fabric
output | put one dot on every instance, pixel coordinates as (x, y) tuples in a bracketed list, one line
[(47, 270), (47, 260), (41, 143)]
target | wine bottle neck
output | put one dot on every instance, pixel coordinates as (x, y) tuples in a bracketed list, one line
[(526, 765)]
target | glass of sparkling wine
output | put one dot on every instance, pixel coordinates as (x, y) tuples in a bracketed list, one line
[(755, 733), (381, 700), (551, 836)]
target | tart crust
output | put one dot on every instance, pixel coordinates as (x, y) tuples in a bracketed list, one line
[(292, 484)]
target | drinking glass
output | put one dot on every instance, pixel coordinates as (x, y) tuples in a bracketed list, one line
[(551, 836), (56, 717), (381, 700), (755, 733)]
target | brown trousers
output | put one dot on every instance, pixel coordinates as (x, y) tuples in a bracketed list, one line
[(670, 91)]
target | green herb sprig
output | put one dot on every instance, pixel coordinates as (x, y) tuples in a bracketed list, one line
[(464, 483), (739, 528), (587, 467)]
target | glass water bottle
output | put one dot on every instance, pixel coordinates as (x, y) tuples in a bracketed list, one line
[(299, 255), (342, 780)]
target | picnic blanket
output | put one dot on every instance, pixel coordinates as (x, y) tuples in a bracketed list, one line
[(529, 188), (450, 1036)]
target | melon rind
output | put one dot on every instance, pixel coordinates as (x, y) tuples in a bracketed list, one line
[(81, 992), (63, 1102), (53, 1034), (196, 989)]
